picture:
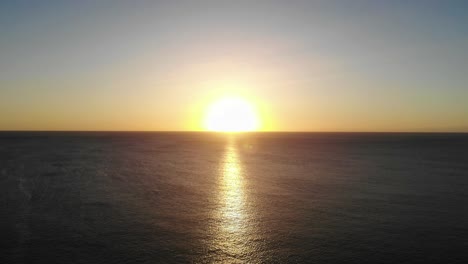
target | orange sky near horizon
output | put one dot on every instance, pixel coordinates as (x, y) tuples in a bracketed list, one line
[(307, 66)]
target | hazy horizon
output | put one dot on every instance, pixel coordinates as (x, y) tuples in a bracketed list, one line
[(370, 66), (243, 132)]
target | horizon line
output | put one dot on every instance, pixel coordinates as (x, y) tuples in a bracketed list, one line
[(236, 132)]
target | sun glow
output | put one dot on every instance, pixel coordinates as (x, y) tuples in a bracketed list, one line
[(231, 114)]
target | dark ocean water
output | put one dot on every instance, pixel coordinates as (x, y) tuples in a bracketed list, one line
[(250, 198)]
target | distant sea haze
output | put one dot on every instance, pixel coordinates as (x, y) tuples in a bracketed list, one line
[(123, 197)]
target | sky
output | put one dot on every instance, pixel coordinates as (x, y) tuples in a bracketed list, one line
[(305, 65)]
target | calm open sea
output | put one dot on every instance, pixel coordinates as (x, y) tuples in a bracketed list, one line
[(247, 198)]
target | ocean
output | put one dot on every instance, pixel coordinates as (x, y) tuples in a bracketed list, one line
[(128, 197)]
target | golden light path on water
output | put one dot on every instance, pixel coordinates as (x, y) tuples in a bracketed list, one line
[(233, 191), (233, 230)]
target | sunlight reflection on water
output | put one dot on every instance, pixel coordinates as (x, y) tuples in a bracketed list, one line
[(232, 234)]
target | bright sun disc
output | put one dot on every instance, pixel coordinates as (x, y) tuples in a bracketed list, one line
[(231, 115)]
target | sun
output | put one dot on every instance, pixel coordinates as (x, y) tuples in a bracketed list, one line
[(231, 114)]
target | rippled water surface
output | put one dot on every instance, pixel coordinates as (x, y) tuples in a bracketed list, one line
[(246, 198)]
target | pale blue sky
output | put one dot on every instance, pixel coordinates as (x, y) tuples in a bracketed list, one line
[(313, 65)]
